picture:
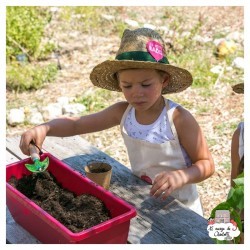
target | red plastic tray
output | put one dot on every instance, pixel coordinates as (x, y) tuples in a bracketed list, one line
[(47, 229)]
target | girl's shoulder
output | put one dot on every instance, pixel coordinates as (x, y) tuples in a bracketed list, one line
[(176, 108), (119, 108), (181, 116), (241, 126), (172, 106), (239, 131)]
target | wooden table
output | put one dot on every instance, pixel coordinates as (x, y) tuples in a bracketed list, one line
[(156, 221)]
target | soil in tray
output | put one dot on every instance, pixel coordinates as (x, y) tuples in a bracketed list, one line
[(98, 170), (77, 213)]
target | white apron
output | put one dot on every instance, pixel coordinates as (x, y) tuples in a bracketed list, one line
[(149, 159)]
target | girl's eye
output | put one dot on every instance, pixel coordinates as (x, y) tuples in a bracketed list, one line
[(126, 87), (145, 85)]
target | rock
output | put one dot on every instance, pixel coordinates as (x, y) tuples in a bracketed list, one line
[(185, 34), (217, 41), (236, 36), (173, 33), (216, 69), (164, 28), (238, 62), (108, 17), (54, 9), (78, 16), (132, 23), (74, 34), (16, 116), (202, 39), (35, 118), (22, 58), (63, 100), (51, 111), (149, 26), (73, 109), (229, 68)]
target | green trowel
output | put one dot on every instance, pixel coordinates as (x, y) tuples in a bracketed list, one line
[(37, 166)]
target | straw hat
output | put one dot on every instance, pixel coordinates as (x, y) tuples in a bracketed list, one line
[(141, 48), (238, 88)]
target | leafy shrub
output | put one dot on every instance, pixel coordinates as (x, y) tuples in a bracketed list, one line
[(22, 77), (199, 64), (88, 19), (25, 27), (24, 31), (96, 100)]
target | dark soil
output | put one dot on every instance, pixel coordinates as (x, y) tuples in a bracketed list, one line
[(77, 213), (98, 170)]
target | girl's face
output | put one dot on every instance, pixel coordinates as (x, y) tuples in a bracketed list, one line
[(142, 88)]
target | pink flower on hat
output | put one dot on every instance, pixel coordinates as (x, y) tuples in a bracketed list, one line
[(155, 49)]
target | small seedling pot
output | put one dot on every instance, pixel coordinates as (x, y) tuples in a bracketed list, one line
[(100, 173)]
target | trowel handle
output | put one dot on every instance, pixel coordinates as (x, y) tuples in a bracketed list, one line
[(34, 152)]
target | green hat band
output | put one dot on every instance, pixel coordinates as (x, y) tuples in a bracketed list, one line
[(140, 56)]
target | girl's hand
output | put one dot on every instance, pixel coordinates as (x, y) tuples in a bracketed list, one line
[(36, 134), (165, 183)]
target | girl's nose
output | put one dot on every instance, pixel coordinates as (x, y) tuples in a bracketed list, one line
[(137, 91)]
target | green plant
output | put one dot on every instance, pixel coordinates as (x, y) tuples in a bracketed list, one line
[(225, 128), (203, 109), (22, 77), (211, 142), (221, 128), (25, 26), (207, 92), (235, 205), (227, 165), (96, 100), (87, 19), (198, 62)]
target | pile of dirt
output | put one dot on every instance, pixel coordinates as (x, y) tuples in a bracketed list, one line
[(77, 213)]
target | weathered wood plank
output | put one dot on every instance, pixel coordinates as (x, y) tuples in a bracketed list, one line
[(157, 221), (10, 158)]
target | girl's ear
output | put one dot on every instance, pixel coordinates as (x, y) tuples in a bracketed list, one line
[(165, 79)]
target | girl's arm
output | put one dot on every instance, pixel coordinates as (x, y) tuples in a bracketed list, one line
[(192, 139), (235, 158), (69, 126)]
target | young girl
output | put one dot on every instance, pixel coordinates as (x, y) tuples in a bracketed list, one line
[(237, 144), (237, 152), (165, 144)]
